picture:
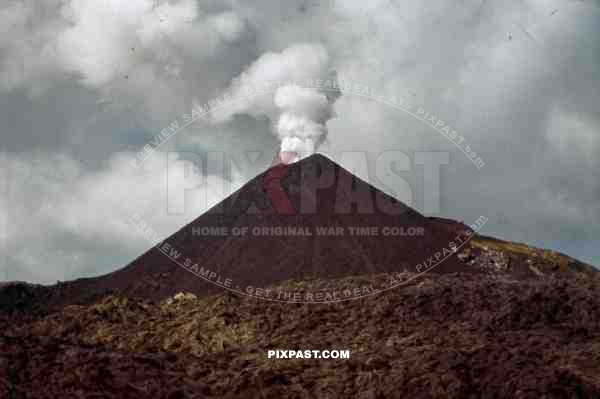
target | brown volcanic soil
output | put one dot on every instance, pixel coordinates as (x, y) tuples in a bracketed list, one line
[(457, 335)]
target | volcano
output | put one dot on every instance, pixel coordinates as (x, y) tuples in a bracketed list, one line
[(310, 220)]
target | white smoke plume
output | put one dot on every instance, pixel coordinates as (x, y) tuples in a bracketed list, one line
[(299, 113), (302, 123)]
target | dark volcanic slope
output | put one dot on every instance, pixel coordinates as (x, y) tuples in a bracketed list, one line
[(264, 260)]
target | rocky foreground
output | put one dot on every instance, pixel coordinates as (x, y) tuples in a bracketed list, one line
[(459, 335)]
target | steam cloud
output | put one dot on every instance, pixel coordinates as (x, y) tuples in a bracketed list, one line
[(301, 113), (301, 126)]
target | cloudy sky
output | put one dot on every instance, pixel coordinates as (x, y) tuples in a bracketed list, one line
[(86, 84)]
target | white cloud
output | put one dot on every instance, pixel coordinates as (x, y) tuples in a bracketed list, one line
[(50, 197)]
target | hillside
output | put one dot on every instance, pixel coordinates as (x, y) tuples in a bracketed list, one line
[(446, 336)]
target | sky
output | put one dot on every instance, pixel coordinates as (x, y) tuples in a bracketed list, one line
[(86, 84)]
